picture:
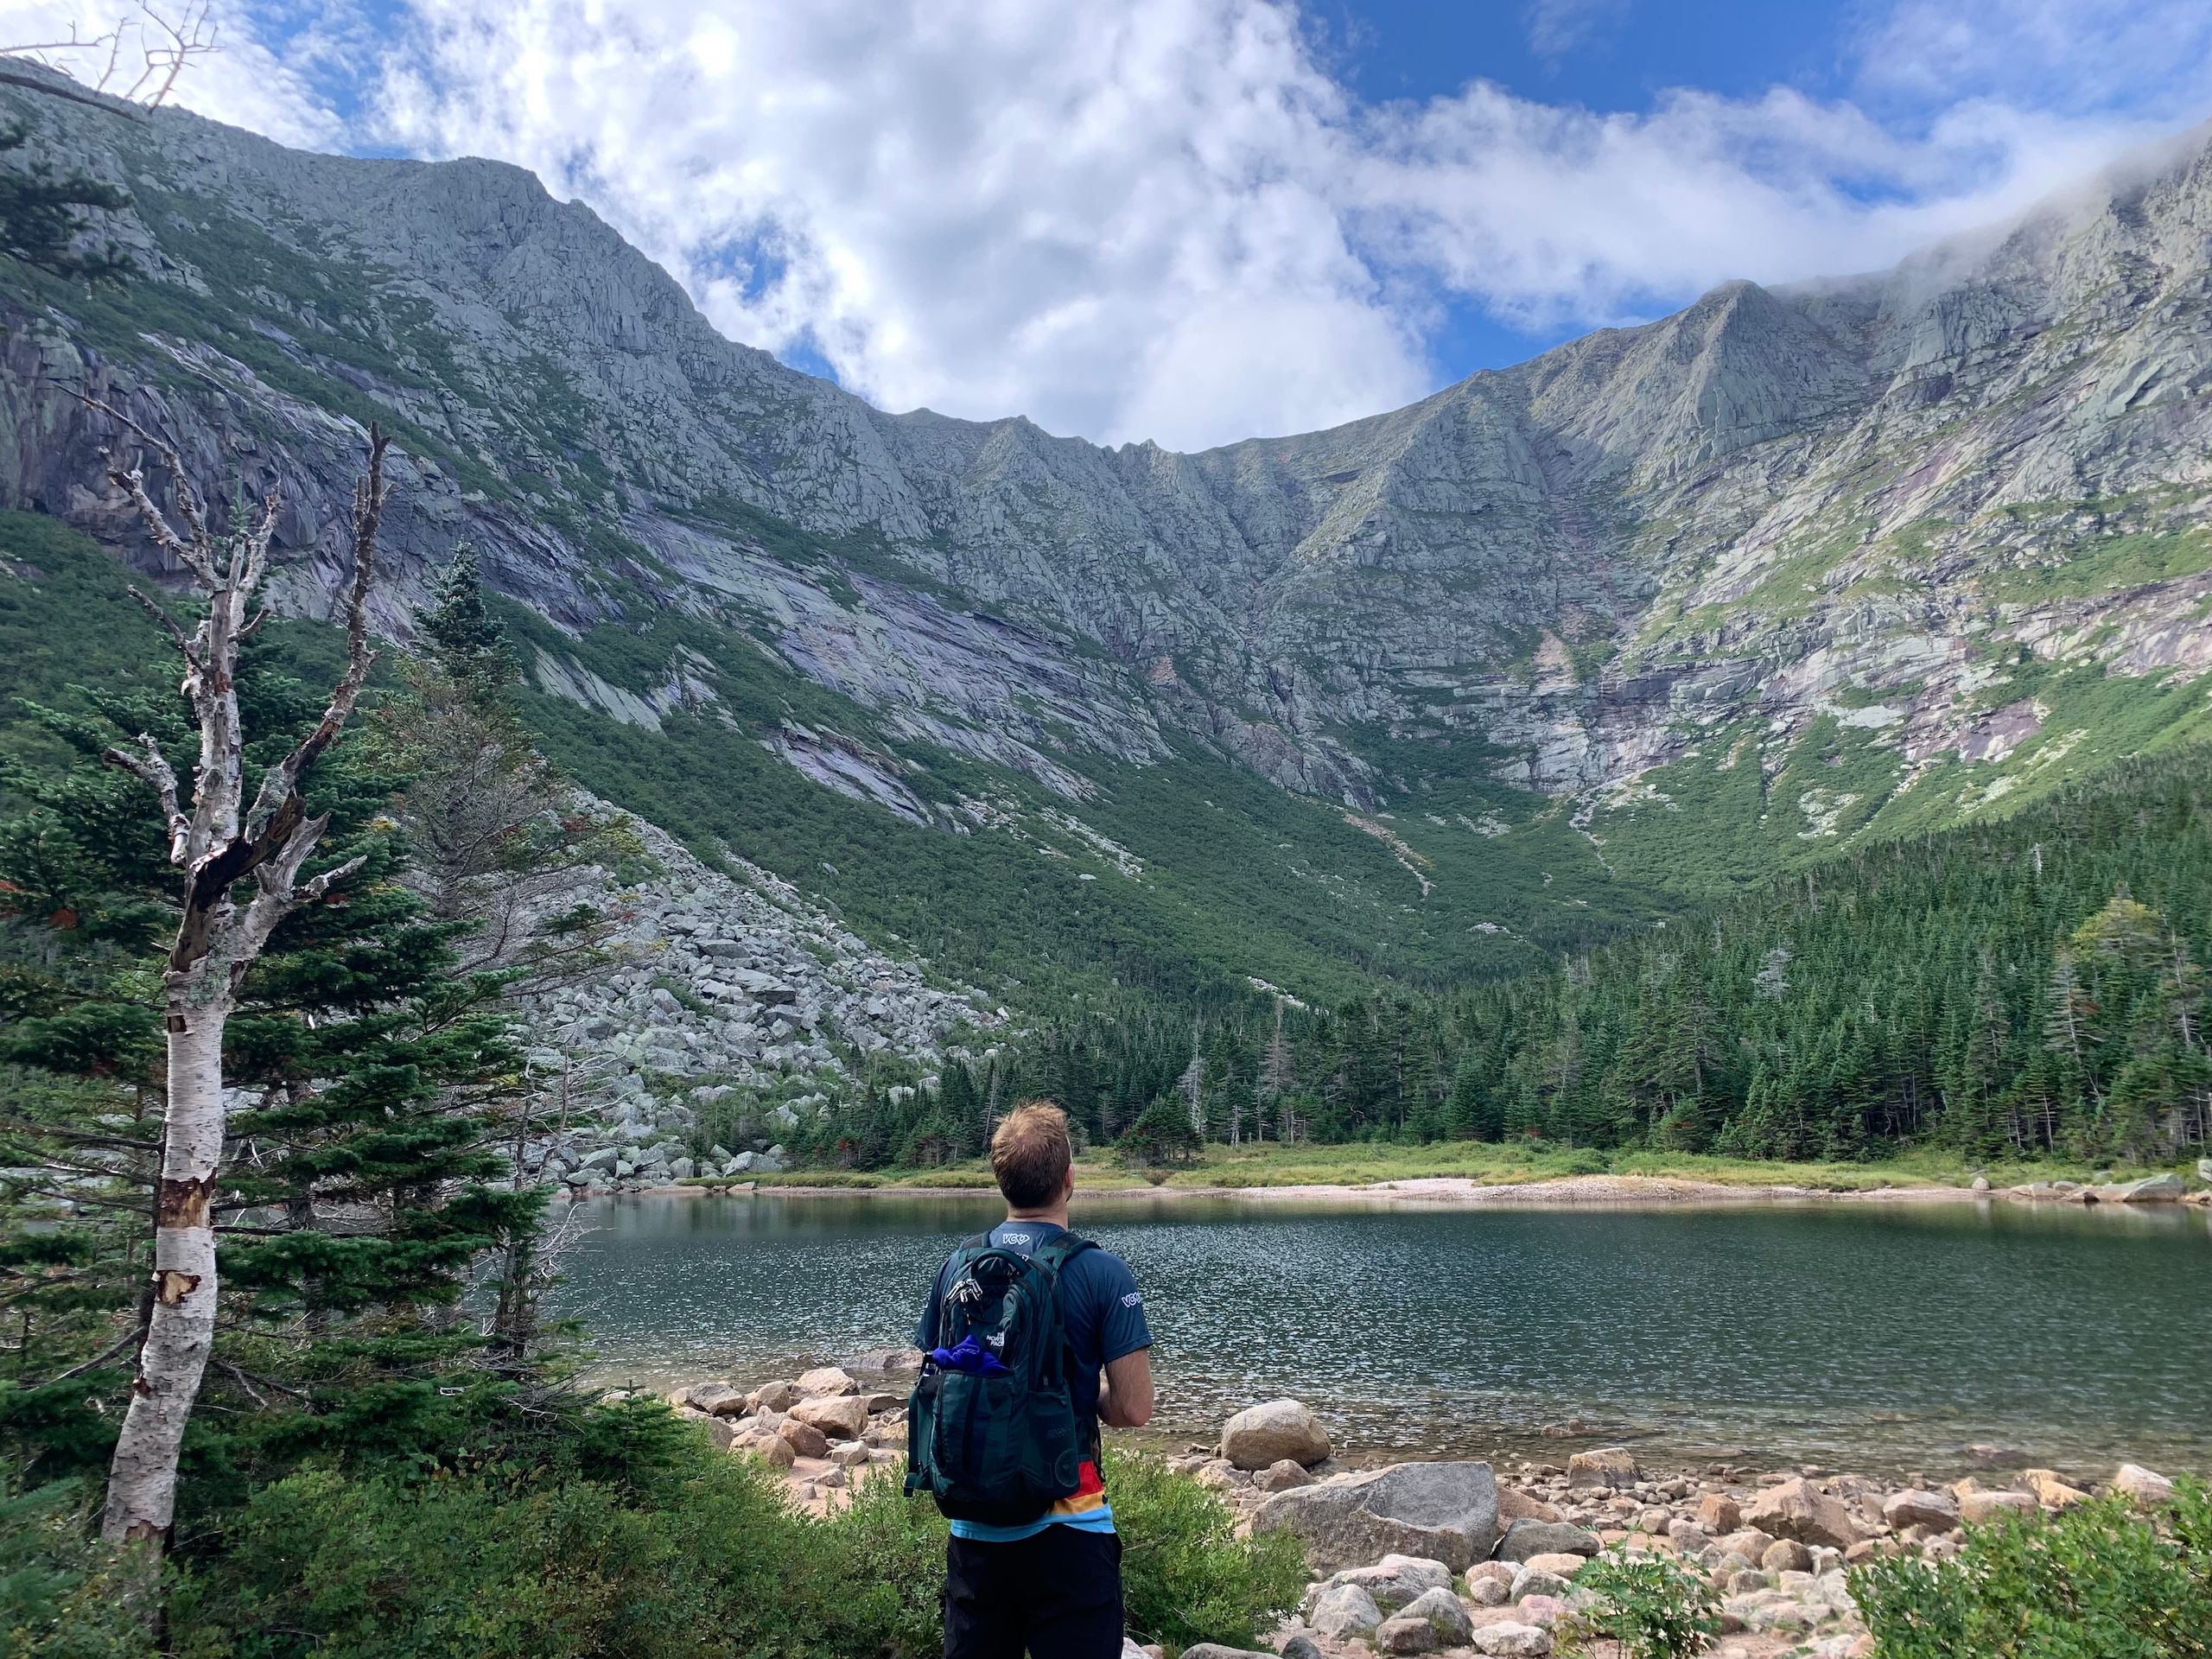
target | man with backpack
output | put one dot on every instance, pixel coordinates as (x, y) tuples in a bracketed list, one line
[(1034, 1338)]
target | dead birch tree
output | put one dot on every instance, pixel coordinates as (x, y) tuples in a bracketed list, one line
[(241, 876)]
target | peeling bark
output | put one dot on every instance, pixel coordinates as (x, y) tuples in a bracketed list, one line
[(218, 847)]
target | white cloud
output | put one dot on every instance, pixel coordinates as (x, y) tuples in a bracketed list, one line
[(1556, 27), (1557, 216), (243, 82), (1060, 210), (2150, 57), (1169, 218)]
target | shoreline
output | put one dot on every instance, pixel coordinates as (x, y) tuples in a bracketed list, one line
[(1465, 1192), (1492, 1545)]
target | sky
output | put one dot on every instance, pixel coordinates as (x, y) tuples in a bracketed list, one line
[(1196, 220)]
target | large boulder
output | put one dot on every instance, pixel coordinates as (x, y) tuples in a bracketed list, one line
[(1513, 1642), (2168, 1188), (1978, 1507), (2052, 1490), (1797, 1509), (1441, 1512), (1608, 1466), (1402, 1633), (717, 1400), (1525, 1539), (2144, 1486), (827, 1379), (888, 1359), (1514, 1504), (1717, 1514), (1937, 1512), (803, 1438), (840, 1416), (1392, 1582), (780, 1395), (1281, 1476), (1266, 1433)]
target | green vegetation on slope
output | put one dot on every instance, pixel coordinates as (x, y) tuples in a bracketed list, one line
[(1239, 880), (2030, 987)]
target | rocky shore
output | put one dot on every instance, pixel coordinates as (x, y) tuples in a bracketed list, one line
[(824, 1430), (662, 1172), (1462, 1558)]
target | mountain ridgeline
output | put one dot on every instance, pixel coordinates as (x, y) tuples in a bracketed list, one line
[(1768, 642)]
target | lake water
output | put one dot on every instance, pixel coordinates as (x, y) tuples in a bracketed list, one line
[(1888, 1337)]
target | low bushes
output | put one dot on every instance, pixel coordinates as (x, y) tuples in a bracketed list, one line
[(634, 1557), (2100, 1581), (63, 1596), (1186, 1576), (1648, 1608)]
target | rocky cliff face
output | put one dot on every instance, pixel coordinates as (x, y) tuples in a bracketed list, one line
[(1891, 546)]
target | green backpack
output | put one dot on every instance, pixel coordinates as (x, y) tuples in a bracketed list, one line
[(998, 1443)]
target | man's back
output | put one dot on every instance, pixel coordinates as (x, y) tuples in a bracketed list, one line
[(1102, 1312), (1047, 1585)]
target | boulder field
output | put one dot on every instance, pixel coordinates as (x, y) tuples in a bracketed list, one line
[(1450, 1557), (1456, 1558)]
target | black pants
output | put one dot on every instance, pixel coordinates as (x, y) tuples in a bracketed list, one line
[(1056, 1594)]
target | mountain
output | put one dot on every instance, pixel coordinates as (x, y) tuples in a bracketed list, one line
[(1430, 695)]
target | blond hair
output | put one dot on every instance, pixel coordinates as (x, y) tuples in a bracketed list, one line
[(1030, 1154)]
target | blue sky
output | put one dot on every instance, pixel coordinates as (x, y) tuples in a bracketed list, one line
[(1194, 220), (1618, 57)]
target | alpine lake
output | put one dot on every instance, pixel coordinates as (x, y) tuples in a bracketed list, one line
[(1875, 1336)]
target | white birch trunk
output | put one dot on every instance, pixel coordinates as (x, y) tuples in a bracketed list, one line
[(217, 939), (141, 1477)]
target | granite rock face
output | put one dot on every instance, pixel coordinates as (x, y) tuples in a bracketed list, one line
[(1892, 506)]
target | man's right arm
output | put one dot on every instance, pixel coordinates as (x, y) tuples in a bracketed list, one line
[(926, 1332)]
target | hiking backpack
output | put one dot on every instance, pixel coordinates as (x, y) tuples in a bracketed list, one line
[(999, 1444)]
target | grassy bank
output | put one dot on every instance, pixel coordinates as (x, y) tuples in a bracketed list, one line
[(1366, 1164)]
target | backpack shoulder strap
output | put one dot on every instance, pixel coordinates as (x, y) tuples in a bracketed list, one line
[(1061, 1248)]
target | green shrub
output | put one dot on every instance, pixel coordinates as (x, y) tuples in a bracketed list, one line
[(2100, 1581), (539, 1567), (876, 1569), (1649, 1606), (700, 1559), (1185, 1575), (62, 1594)]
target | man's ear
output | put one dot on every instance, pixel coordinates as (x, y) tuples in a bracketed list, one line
[(1067, 1186)]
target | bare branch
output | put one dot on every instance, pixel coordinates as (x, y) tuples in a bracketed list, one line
[(187, 501), (246, 1380), (151, 767), (114, 1349), (322, 884), (257, 544), (194, 37), (183, 640), (283, 780)]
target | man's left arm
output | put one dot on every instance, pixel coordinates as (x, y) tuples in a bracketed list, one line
[(1125, 1395), (1125, 1392)]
